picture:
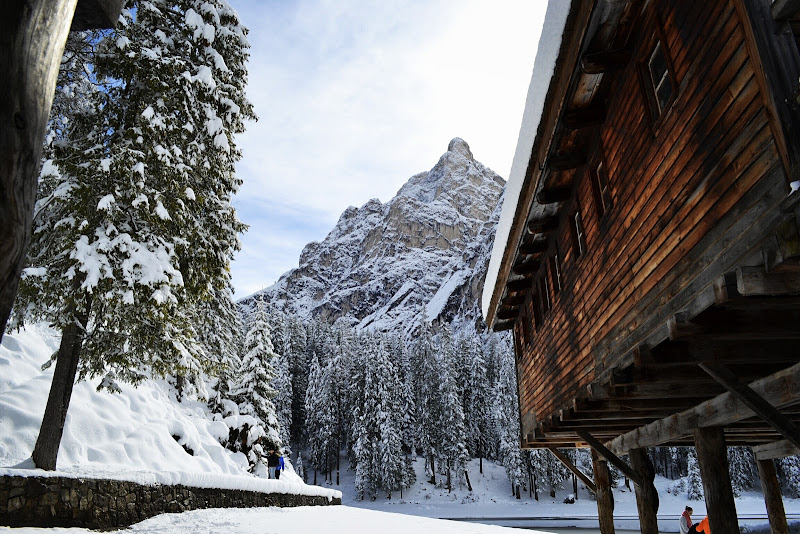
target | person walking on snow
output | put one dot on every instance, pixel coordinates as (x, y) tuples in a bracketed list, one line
[(272, 463)]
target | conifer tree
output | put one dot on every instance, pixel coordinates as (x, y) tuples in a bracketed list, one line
[(135, 226), (742, 469), (319, 425), (282, 382), (254, 391), (789, 475), (694, 482), (477, 412), (296, 343)]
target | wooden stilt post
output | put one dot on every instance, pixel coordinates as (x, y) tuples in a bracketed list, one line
[(605, 498), (712, 458), (772, 497), (646, 493)]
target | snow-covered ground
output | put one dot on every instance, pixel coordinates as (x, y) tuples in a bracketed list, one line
[(130, 436), (137, 435)]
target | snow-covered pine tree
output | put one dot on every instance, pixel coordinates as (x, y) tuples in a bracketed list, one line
[(219, 330), (694, 483), (254, 392), (742, 469), (137, 225), (319, 423), (506, 410), (477, 411), (789, 475), (296, 343), (393, 463), (282, 383), (366, 426), (452, 436)]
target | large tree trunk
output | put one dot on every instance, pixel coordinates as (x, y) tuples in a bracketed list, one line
[(32, 38), (45, 453)]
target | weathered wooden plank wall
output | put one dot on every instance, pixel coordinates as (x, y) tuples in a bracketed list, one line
[(674, 182)]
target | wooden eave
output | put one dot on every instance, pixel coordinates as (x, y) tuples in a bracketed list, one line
[(593, 49), (574, 30)]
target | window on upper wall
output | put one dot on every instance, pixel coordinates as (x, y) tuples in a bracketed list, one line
[(527, 334), (544, 291), (537, 310), (602, 192), (658, 78), (578, 235), (555, 272)]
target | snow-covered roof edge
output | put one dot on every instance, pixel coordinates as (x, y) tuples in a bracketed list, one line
[(543, 68)]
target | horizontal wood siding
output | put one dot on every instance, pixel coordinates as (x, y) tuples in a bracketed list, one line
[(671, 182)]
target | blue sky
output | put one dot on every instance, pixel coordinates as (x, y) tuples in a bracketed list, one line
[(354, 97)]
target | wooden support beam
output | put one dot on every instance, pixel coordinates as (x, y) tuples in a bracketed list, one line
[(518, 286), (506, 314), (605, 497), (502, 326), (574, 469), (616, 461), (775, 450), (567, 162), (512, 301), (754, 401), (779, 389), (784, 9), (712, 458), (772, 497), (534, 247), (576, 119), (605, 61), (553, 195), (646, 492), (526, 268), (756, 281), (543, 226)]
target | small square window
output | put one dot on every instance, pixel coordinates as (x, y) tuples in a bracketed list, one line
[(579, 238)]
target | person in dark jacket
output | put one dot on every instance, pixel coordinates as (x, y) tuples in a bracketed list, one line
[(272, 463)]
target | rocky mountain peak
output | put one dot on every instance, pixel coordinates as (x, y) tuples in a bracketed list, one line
[(459, 146), (423, 252)]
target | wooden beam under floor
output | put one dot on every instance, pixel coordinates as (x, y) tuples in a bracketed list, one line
[(574, 469), (612, 458), (754, 401), (780, 389)]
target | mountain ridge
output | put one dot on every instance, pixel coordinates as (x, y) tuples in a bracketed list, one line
[(382, 265)]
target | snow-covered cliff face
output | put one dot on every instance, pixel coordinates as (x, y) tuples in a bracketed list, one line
[(424, 251)]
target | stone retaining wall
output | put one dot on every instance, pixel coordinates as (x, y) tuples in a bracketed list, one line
[(89, 503)]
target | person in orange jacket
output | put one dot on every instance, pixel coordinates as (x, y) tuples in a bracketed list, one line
[(703, 526)]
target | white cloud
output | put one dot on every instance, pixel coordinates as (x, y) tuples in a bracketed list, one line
[(354, 97)]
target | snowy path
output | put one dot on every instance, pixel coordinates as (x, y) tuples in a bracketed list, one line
[(303, 520)]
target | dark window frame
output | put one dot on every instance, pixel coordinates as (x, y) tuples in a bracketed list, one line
[(556, 272), (601, 188), (656, 41), (578, 230)]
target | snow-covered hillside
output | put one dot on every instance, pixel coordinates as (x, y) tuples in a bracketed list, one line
[(382, 265), (140, 434)]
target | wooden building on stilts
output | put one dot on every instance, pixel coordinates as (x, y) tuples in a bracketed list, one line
[(648, 254)]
